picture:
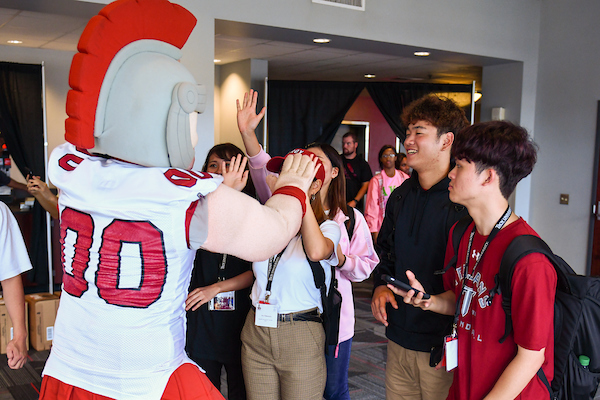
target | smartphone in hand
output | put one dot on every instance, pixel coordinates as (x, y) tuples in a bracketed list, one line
[(402, 285)]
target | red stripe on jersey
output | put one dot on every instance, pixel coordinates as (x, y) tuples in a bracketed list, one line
[(188, 219)]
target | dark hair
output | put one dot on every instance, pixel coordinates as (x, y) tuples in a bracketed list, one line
[(226, 151), (336, 195), (399, 158), (440, 112), (384, 148), (501, 145), (352, 134)]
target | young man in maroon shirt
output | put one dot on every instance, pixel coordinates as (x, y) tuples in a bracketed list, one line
[(491, 158)]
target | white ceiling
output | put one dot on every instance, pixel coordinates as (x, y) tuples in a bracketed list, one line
[(291, 54)]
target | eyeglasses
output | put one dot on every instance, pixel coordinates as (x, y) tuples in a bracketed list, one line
[(388, 156)]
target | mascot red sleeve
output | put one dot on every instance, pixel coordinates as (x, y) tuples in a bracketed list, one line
[(132, 213)]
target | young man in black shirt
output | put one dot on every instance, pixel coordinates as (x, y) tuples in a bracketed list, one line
[(357, 171), (413, 236)]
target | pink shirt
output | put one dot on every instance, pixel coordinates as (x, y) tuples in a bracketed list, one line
[(378, 193), (360, 254)]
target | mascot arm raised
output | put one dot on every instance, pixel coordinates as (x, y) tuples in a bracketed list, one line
[(239, 225)]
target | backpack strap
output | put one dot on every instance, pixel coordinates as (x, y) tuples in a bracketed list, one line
[(350, 222), (319, 278), (459, 230), (520, 247)]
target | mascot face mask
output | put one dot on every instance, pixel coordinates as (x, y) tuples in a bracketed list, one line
[(131, 98)]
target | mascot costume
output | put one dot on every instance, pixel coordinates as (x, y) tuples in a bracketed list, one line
[(132, 215)]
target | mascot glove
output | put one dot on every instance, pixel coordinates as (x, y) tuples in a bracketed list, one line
[(298, 170)]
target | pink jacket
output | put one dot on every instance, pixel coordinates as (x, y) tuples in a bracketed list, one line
[(380, 188), (360, 254)]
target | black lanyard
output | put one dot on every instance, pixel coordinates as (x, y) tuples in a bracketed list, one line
[(499, 225), (221, 274), (273, 261)]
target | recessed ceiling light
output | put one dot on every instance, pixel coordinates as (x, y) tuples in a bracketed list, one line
[(370, 76), (421, 53), (15, 41), (216, 61), (321, 40)]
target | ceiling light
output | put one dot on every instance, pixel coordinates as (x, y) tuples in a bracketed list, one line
[(370, 76), (321, 40), (15, 41), (216, 61), (421, 53)]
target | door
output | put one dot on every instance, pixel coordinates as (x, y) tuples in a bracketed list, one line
[(595, 223)]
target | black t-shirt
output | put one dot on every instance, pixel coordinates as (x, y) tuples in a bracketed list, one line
[(215, 335), (357, 172), (416, 240)]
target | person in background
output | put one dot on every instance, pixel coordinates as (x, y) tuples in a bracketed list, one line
[(381, 186), (355, 252), (491, 158), (6, 180), (14, 260), (42, 193), (402, 163), (357, 170), (413, 235), (219, 301)]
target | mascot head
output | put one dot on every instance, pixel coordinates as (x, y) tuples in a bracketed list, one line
[(131, 98)]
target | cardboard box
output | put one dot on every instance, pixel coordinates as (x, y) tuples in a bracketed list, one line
[(6, 327), (42, 314)]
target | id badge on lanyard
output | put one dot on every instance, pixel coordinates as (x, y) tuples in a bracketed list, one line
[(266, 313), (223, 301), (450, 358)]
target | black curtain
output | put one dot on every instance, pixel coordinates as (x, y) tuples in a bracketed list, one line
[(392, 97), (21, 124), (304, 112)]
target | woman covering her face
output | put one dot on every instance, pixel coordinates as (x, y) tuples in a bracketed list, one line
[(355, 253)]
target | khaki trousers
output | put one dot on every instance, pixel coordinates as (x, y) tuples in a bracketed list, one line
[(408, 376), (284, 363)]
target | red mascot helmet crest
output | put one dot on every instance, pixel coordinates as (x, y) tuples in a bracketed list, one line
[(127, 60)]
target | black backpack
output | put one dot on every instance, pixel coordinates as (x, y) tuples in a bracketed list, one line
[(576, 317), (332, 303)]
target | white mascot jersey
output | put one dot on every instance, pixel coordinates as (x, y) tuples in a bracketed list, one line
[(127, 268)]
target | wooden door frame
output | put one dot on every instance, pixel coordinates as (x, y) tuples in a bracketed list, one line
[(594, 196)]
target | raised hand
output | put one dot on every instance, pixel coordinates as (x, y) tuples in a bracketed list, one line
[(235, 175), (247, 118)]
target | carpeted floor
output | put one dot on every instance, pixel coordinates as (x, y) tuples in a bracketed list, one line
[(22, 384)]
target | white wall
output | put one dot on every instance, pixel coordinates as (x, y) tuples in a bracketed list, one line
[(235, 79), (568, 94)]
